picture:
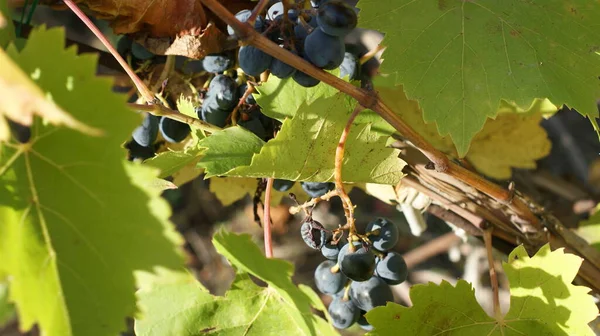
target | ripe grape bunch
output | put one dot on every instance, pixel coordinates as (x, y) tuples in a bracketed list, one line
[(316, 35), (357, 274)]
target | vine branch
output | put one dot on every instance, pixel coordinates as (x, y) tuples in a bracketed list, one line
[(160, 110), (267, 220), (337, 173), (370, 100), (139, 84)]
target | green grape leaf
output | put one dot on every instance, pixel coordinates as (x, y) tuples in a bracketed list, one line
[(498, 147), (543, 302), (170, 162), (76, 219), (175, 303), (7, 29), (459, 58), (283, 98), (227, 149), (7, 310), (305, 147), (246, 257)]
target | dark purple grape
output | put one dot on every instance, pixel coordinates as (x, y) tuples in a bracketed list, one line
[(313, 234), (328, 282), (282, 185), (387, 236), (331, 251), (392, 269), (317, 189), (146, 133), (217, 63), (281, 70), (124, 46), (343, 313), (275, 11), (336, 18), (305, 80), (173, 130), (212, 113), (224, 90), (255, 126), (358, 265), (369, 294), (323, 50), (253, 60)]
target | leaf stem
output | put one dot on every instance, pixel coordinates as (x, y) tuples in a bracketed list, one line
[(139, 84), (267, 220), (160, 110), (487, 238), (337, 173), (370, 100)]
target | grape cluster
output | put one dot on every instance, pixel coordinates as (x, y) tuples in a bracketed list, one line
[(316, 35), (356, 274), (312, 189)]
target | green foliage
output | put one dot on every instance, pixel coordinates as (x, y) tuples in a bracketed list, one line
[(459, 58), (543, 302), (590, 229), (7, 310), (176, 304), (305, 148), (74, 227), (170, 162), (227, 149)]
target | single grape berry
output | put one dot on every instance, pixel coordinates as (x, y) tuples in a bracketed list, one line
[(317, 189), (369, 294), (173, 130), (146, 133), (305, 80), (275, 11), (336, 18), (255, 126), (253, 60), (330, 250), (328, 282), (358, 265), (212, 113), (324, 51), (392, 269), (343, 313), (281, 70), (387, 235), (224, 90), (313, 234), (282, 185), (217, 63)]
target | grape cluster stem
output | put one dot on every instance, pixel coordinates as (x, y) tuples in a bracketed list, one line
[(370, 100), (302, 207), (160, 110)]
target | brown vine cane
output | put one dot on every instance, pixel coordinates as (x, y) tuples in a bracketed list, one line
[(370, 100)]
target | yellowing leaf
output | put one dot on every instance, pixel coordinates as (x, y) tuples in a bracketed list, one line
[(511, 140), (21, 99), (543, 302)]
